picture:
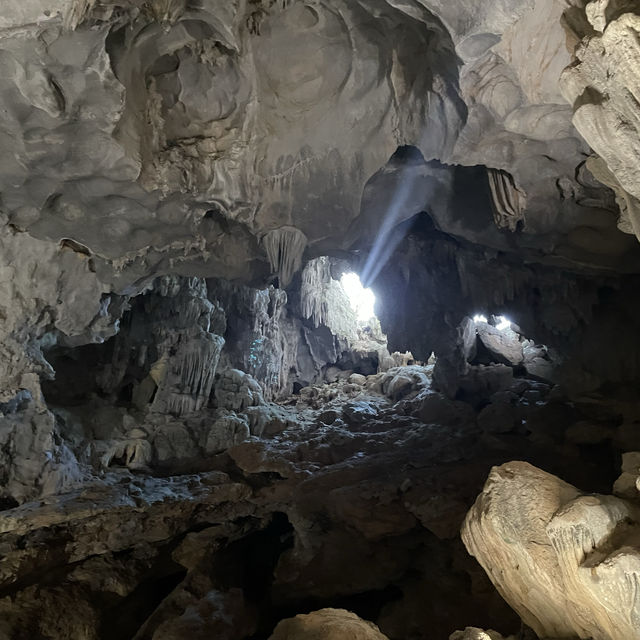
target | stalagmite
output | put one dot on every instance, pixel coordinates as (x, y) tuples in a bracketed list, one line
[(188, 374)]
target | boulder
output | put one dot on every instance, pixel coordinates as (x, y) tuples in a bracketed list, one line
[(236, 390), (503, 345), (174, 442), (327, 624), (228, 430), (220, 615), (627, 485), (358, 412), (538, 362), (256, 457), (562, 560), (266, 420), (473, 633), (499, 417)]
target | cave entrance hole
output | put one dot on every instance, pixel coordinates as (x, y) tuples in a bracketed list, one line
[(500, 322), (500, 340), (362, 299)]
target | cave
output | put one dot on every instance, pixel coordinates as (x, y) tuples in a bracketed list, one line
[(318, 320)]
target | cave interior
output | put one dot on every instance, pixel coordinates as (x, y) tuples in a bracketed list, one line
[(317, 320)]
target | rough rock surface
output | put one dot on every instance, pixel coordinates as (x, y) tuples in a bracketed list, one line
[(473, 633), (502, 344), (566, 562), (327, 624), (602, 85), (182, 184), (334, 504)]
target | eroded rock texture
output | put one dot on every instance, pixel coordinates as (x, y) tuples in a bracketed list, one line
[(602, 86), (566, 562), (177, 137), (198, 438), (354, 504), (325, 625)]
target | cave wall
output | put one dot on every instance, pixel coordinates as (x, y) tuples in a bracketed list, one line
[(433, 281), (153, 138)]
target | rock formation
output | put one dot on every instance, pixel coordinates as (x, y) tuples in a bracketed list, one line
[(566, 562), (327, 624), (199, 437)]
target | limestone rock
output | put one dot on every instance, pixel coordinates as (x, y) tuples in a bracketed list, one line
[(173, 442), (228, 430), (403, 382), (218, 614), (473, 633), (236, 390), (627, 485), (188, 351), (538, 362), (324, 301), (135, 454), (267, 420), (358, 378), (256, 457), (358, 412), (561, 560), (503, 345), (599, 84), (34, 460), (327, 624)]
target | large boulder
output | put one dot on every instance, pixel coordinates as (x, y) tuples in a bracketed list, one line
[(473, 633), (228, 430), (565, 562), (327, 624), (503, 345)]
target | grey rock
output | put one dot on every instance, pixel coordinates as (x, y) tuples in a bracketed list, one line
[(227, 431), (503, 345), (497, 418), (358, 412)]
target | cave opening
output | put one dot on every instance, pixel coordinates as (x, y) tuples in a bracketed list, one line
[(362, 299)]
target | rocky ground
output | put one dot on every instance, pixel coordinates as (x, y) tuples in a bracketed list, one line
[(351, 497)]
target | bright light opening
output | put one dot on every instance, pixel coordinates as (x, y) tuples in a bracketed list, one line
[(503, 321), (361, 299)]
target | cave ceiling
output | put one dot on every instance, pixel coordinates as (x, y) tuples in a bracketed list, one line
[(238, 140), (193, 418), (178, 134)]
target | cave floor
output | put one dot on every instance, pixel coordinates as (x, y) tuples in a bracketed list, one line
[(357, 503)]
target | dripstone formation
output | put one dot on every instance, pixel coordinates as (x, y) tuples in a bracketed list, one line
[(200, 437)]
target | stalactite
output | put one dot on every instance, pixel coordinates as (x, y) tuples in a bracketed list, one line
[(313, 302), (507, 199), (284, 247), (77, 13), (189, 374), (164, 10)]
